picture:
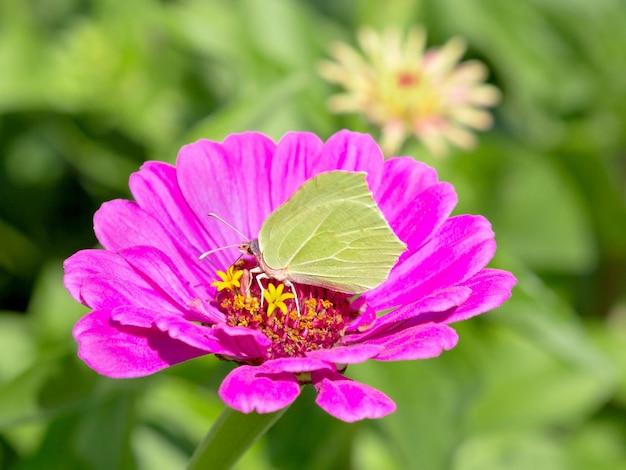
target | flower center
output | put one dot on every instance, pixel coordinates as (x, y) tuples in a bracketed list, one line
[(323, 317), (406, 79)]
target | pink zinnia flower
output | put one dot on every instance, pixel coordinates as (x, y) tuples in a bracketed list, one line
[(156, 304)]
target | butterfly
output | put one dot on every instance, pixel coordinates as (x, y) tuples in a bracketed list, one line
[(330, 233)]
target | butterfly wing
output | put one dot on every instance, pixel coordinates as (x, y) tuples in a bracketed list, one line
[(332, 234)]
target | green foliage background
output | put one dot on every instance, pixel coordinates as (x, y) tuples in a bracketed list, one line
[(91, 89)]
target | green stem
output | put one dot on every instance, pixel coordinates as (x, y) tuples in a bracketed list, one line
[(230, 437)]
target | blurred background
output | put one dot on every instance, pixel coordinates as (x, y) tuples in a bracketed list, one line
[(91, 89)]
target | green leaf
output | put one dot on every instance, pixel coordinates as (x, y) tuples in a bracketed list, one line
[(547, 228), (95, 437), (52, 312), (513, 451), (432, 397), (254, 109), (540, 365), (17, 350), (49, 387)]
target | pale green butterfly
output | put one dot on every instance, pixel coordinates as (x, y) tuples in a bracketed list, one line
[(329, 234)]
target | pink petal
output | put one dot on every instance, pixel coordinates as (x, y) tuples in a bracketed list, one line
[(240, 344), (231, 180), (192, 334), (490, 289), (96, 263), (129, 315), (249, 388), (252, 153), (162, 275), (243, 344), (420, 175), (348, 400), (155, 188), (296, 155), (169, 284), (364, 321), (413, 201), (352, 151), (199, 310), (121, 224), (126, 352), (417, 342), (462, 247), (423, 310), (100, 292), (414, 220), (437, 307), (296, 365), (346, 354)]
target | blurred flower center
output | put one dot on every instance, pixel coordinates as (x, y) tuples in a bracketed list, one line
[(322, 320), (407, 79), (414, 101)]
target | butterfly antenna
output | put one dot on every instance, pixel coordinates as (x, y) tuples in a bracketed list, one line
[(215, 216), (215, 250)]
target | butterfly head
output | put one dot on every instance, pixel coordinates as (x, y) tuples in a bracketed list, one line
[(251, 247)]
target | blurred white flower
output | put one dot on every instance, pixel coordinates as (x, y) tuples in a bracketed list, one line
[(406, 90)]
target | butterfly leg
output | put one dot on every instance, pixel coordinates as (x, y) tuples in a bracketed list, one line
[(246, 280), (260, 275), (289, 284)]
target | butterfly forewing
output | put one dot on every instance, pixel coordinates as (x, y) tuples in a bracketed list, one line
[(332, 234)]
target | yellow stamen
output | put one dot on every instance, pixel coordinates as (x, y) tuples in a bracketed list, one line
[(229, 279), (238, 302), (276, 299)]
